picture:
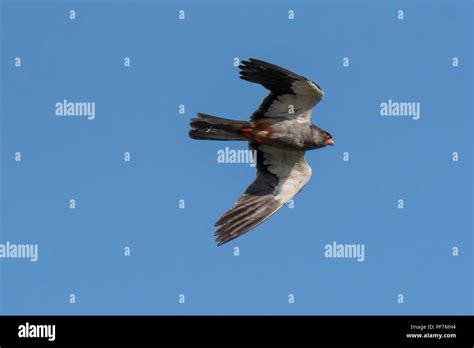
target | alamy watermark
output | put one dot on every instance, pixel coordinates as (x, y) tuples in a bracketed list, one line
[(401, 109), (19, 251), (80, 109), (229, 155), (345, 251), (28, 330)]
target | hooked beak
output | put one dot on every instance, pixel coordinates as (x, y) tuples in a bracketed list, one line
[(330, 142)]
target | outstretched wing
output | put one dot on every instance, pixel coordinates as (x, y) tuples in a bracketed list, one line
[(291, 95), (280, 176)]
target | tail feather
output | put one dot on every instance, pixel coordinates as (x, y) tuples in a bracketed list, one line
[(216, 128)]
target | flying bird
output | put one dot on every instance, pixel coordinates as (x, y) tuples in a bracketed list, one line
[(281, 132)]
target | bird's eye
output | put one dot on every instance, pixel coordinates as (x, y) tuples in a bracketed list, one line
[(328, 136)]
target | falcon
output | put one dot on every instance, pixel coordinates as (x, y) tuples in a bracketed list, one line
[(280, 132)]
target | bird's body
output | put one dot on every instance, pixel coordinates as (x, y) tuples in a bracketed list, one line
[(287, 134), (280, 131)]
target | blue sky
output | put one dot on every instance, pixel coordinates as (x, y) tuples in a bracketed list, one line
[(81, 251)]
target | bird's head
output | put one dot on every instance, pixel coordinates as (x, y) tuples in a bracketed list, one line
[(319, 138), (329, 140)]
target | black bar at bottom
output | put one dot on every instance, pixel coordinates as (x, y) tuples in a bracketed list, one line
[(135, 330)]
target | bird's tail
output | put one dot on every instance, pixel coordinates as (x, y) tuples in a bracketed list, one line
[(216, 128)]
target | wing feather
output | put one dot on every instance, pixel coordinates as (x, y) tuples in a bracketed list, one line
[(280, 176), (291, 95)]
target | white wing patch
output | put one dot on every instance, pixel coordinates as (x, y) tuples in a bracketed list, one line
[(306, 96), (290, 167)]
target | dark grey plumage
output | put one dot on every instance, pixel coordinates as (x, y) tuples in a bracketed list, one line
[(216, 128), (280, 131), (279, 81)]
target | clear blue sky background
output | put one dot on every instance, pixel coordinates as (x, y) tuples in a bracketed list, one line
[(190, 62)]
